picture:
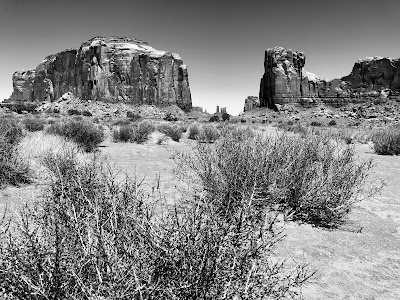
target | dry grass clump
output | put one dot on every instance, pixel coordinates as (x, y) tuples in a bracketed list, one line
[(123, 134), (136, 132), (86, 134), (387, 141), (313, 178), (356, 135), (12, 169), (174, 131), (208, 133), (36, 146), (193, 131), (91, 237), (290, 126), (33, 124)]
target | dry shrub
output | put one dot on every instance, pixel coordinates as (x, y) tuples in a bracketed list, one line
[(143, 129), (33, 124), (92, 237), (387, 141), (193, 131), (295, 128), (36, 146), (86, 134), (123, 134), (174, 131), (314, 178), (356, 135), (122, 122), (136, 132), (12, 170), (208, 133)]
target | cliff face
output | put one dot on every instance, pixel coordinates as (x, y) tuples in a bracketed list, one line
[(23, 85), (286, 81), (251, 102), (284, 78), (109, 68), (374, 74)]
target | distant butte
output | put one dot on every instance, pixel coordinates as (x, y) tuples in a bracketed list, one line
[(286, 81), (109, 69)]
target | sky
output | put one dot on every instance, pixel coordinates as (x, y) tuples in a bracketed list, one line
[(222, 42)]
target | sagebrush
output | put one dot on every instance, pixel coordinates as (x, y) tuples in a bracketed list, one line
[(33, 124), (12, 170), (313, 178), (135, 132), (174, 131), (387, 141), (92, 237), (85, 133)]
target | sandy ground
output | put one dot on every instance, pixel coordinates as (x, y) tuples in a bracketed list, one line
[(361, 260)]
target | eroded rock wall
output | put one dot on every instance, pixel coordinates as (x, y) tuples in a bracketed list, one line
[(286, 81), (372, 75), (284, 78), (251, 102), (23, 85), (109, 69)]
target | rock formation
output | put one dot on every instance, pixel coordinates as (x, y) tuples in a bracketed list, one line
[(372, 75), (109, 69), (251, 102), (286, 81), (23, 84)]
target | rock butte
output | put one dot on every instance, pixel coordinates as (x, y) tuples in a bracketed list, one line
[(285, 80), (108, 69)]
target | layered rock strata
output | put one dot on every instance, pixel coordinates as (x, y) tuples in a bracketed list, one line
[(251, 102), (284, 78), (286, 81), (372, 75), (109, 69)]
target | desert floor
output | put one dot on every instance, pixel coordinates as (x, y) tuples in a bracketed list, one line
[(360, 260)]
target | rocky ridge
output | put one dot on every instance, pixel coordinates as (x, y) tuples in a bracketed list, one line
[(108, 69), (286, 81)]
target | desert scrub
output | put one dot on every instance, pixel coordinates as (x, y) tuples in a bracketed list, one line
[(73, 112), (33, 124), (123, 134), (122, 122), (142, 131), (12, 170), (208, 133), (315, 178), (214, 118), (92, 237), (36, 146), (193, 131), (332, 123), (387, 141), (316, 124), (174, 131), (86, 134), (136, 132)]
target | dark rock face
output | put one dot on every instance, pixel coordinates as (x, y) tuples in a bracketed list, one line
[(23, 85), (286, 81), (112, 69), (372, 75), (251, 102)]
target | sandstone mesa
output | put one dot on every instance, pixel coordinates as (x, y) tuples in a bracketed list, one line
[(286, 81), (108, 69)]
